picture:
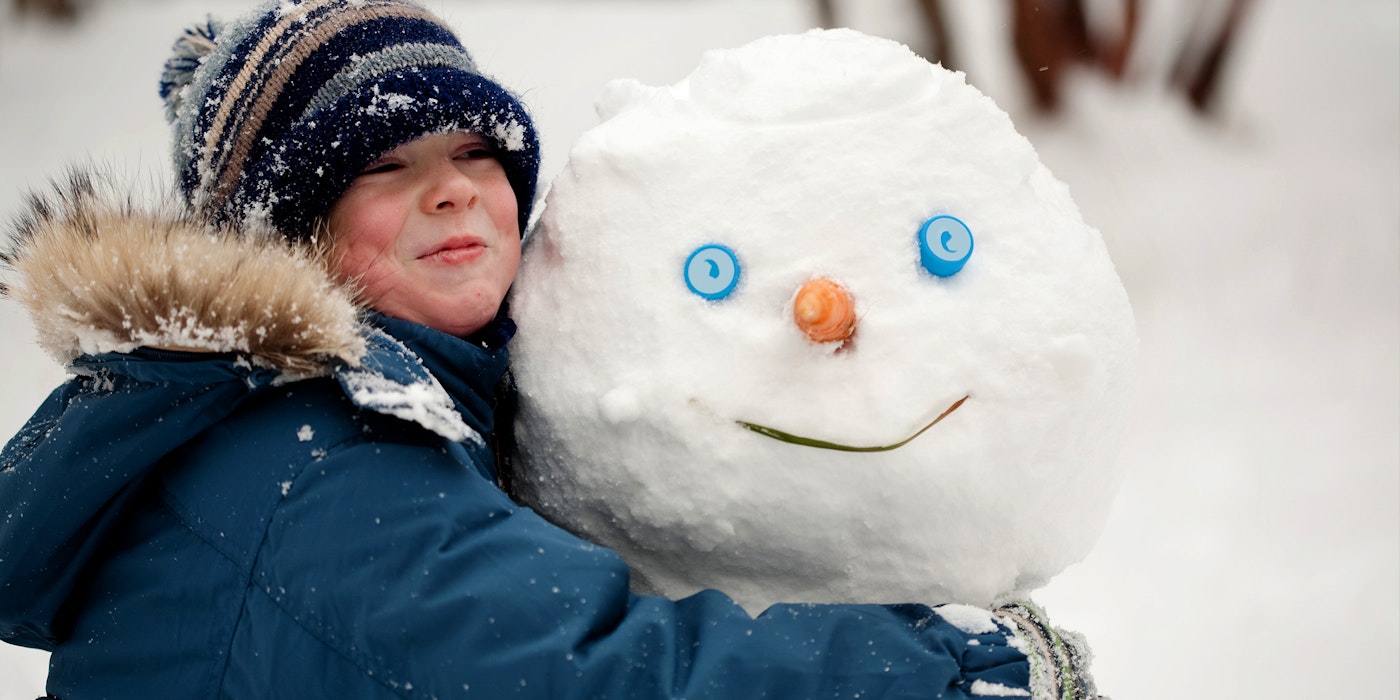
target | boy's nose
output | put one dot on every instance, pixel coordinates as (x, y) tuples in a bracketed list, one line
[(448, 189)]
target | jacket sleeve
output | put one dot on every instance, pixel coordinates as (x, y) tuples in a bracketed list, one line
[(419, 572)]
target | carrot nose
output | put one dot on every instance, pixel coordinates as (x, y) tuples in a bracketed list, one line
[(825, 311)]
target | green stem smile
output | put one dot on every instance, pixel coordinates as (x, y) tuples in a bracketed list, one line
[(823, 444)]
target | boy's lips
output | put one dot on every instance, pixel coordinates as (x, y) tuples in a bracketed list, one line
[(457, 249)]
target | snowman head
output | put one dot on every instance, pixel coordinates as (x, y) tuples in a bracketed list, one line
[(816, 324)]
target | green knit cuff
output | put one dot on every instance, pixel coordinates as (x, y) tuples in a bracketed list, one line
[(1059, 659)]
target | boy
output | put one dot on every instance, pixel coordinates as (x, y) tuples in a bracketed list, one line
[(268, 476)]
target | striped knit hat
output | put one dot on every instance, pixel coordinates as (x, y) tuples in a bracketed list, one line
[(275, 114)]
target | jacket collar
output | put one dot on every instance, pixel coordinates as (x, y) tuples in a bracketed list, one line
[(416, 373)]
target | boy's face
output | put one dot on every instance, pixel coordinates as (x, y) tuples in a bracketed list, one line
[(429, 233)]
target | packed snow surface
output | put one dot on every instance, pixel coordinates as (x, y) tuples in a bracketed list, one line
[(820, 155)]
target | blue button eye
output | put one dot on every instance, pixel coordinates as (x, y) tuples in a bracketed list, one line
[(712, 271), (945, 244)]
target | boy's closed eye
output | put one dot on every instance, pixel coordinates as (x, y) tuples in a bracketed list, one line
[(380, 166), (475, 151)]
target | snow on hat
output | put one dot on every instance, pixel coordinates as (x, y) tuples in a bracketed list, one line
[(275, 114)]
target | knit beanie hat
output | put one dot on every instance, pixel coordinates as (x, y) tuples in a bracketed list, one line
[(276, 113)]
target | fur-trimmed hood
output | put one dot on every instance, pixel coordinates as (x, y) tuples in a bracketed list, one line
[(99, 274)]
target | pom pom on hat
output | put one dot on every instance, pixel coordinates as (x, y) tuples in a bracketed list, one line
[(189, 51), (277, 112)]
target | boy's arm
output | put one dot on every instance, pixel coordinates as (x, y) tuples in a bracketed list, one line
[(427, 577)]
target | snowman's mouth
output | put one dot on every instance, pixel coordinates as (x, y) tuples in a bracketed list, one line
[(823, 444)]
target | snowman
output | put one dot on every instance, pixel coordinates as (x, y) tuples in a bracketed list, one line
[(815, 324)]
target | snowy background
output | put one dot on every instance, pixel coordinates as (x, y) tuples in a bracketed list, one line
[(1255, 548)]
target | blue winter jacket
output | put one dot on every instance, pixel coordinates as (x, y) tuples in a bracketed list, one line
[(231, 523)]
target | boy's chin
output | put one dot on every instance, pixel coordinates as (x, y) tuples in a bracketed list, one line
[(461, 311), (460, 325), (462, 320)]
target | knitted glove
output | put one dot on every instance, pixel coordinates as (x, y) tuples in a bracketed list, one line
[(1059, 658)]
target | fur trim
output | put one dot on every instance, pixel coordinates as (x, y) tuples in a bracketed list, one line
[(99, 273)]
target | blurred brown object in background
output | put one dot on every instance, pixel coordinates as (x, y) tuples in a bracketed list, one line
[(942, 50), (1050, 35), (1199, 66), (1047, 36), (63, 10)]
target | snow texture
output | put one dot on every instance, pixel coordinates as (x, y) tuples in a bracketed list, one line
[(972, 620), (425, 402), (997, 690), (820, 156)]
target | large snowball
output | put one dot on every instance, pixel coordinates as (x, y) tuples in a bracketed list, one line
[(819, 155)]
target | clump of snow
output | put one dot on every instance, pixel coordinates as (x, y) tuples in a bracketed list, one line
[(820, 155), (287, 8), (424, 402), (502, 129), (185, 328), (509, 133), (969, 619), (305, 433), (983, 688), (389, 102)]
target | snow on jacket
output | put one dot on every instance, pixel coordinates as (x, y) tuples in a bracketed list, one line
[(298, 503)]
